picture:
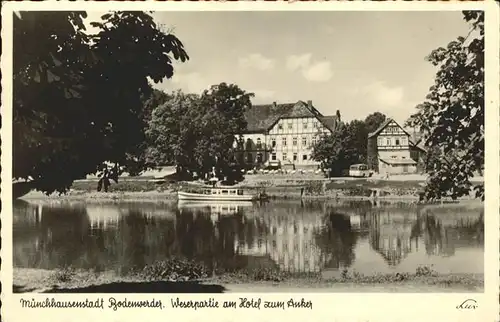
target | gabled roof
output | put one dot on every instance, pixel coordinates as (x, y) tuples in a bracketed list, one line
[(414, 140), (382, 126), (261, 118)]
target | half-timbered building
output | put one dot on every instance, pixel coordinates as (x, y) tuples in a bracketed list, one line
[(283, 134), (392, 150)]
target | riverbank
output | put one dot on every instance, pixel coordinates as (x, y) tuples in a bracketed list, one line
[(38, 280), (277, 187)]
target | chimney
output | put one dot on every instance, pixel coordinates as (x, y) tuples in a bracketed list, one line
[(310, 103), (275, 105)]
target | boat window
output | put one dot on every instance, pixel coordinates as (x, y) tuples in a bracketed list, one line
[(214, 192), (240, 192), (207, 192), (232, 192), (224, 192)]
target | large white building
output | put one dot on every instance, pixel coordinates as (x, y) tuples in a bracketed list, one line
[(283, 134)]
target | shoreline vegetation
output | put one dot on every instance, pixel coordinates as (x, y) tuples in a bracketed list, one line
[(148, 189), (185, 278)]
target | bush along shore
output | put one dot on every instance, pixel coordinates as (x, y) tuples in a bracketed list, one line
[(178, 270), (357, 189)]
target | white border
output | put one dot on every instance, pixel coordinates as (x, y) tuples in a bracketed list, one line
[(326, 307)]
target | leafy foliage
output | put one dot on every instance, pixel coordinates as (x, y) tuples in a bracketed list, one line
[(347, 146), (199, 132), (452, 116), (78, 98), (336, 152), (373, 121)]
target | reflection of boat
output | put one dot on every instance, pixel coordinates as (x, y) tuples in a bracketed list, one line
[(221, 193), (216, 207)]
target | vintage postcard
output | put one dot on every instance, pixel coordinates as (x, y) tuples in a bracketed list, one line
[(250, 161)]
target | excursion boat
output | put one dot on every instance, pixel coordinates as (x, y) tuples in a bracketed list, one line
[(220, 193)]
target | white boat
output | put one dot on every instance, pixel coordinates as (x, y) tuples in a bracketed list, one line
[(215, 194)]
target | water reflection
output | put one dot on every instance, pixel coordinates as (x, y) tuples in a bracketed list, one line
[(291, 236)]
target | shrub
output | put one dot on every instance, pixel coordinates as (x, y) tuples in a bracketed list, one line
[(174, 270)]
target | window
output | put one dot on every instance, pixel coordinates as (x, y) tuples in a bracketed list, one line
[(224, 192), (280, 126), (397, 141), (403, 141), (304, 157), (240, 192), (304, 141), (283, 141), (315, 124), (259, 157), (284, 156), (273, 156), (295, 157), (290, 125), (388, 141), (273, 143), (380, 141), (314, 140), (304, 125), (259, 143), (294, 141)]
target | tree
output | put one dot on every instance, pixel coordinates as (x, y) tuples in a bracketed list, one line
[(170, 131), (337, 151), (77, 98), (197, 133), (373, 121), (358, 137), (452, 116)]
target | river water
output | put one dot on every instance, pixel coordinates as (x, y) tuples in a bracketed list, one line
[(297, 237)]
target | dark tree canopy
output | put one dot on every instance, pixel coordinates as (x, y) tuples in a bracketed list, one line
[(199, 132), (337, 151), (78, 99), (452, 116), (373, 121), (347, 146)]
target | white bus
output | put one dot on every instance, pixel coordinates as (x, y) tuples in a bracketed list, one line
[(359, 170)]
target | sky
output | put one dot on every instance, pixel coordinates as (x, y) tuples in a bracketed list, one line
[(355, 62)]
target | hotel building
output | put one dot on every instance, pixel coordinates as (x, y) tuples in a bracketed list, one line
[(283, 134)]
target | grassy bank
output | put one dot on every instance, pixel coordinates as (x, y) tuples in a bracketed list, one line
[(183, 276), (283, 187)]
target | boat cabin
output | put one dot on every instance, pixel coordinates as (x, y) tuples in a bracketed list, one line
[(218, 191)]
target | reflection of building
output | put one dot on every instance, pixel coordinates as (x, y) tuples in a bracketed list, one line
[(442, 236), (390, 236), (392, 150), (289, 242), (284, 133)]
